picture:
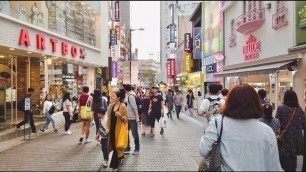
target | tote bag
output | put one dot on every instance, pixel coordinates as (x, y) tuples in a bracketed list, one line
[(86, 112), (122, 142)]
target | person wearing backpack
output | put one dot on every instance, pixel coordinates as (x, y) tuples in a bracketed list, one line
[(210, 107), (26, 105), (132, 108)]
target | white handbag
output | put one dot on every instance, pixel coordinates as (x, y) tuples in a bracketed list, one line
[(163, 122)]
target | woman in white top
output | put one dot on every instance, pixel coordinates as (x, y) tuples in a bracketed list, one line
[(46, 110), (246, 143), (67, 111), (200, 99)]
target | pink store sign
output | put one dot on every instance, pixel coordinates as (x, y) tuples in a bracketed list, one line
[(251, 49)]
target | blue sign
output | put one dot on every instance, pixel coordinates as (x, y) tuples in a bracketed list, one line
[(172, 33), (113, 37), (197, 43)]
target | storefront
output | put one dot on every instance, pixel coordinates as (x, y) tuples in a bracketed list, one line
[(36, 57)]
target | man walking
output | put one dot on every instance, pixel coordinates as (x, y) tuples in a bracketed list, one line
[(178, 100), (156, 109), (28, 112), (169, 103), (133, 118)]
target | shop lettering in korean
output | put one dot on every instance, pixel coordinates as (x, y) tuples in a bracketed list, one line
[(168, 69), (114, 69), (117, 12), (172, 67), (187, 42), (117, 27), (113, 37), (172, 33), (41, 42), (251, 49), (187, 62), (105, 74)]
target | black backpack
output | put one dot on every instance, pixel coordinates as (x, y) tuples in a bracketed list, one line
[(138, 103), (21, 105)]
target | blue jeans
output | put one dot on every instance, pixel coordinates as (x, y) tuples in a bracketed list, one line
[(104, 149), (133, 126), (49, 119)]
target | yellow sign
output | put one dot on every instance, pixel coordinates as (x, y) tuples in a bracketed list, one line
[(188, 62)]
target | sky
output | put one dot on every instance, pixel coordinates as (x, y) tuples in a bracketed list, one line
[(146, 14)]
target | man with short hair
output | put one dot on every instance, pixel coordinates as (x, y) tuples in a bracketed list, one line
[(214, 101), (156, 109), (262, 95), (28, 111), (133, 118), (178, 100), (169, 103)]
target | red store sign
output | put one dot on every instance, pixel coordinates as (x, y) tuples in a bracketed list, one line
[(168, 69), (172, 67), (24, 39), (251, 49)]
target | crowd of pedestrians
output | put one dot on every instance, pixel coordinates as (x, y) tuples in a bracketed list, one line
[(239, 121)]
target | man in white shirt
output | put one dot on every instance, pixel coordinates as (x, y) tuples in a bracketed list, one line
[(213, 95)]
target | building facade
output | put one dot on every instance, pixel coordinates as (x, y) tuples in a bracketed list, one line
[(257, 36), (51, 47), (148, 72)]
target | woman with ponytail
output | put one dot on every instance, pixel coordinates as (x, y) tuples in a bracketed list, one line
[(117, 117)]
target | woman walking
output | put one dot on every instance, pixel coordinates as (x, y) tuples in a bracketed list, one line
[(84, 100), (144, 114), (190, 99), (200, 99), (48, 105), (292, 120), (117, 117), (98, 102), (246, 144), (67, 112)]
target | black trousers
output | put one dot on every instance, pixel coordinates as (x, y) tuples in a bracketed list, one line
[(67, 120), (178, 110), (288, 163), (27, 116), (96, 119), (115, 160)]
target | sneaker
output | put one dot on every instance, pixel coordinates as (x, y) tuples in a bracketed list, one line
[(105, 164), (69, 132), (136, 152), (66, 132), (127, 150), (41, 130), (87, 141), (120, 161), (81, 139)]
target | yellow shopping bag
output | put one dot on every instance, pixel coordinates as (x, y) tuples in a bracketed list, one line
[(122, 142), (86, 112)]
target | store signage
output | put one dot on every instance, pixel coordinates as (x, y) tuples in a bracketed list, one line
[(117, 12), (172, 33), (187, 62), (105, 74), (24, 39), (99, 71), (168, 69), (187, 42), (115, 69), (117, 27), (110, 66), (251, 49), (197, 43), (113, 37), (172, 67), (172, 51), (212, 68)]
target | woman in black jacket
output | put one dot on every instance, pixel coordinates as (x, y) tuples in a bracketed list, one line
[(144, 115)]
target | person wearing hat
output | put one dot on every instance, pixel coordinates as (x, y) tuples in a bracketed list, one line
[(269, 119), (156, 109)]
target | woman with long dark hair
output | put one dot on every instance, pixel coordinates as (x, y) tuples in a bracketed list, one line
[(47, 106), (269, 119), (293, 144), (67, 111), (246, 144), (98, 102), (117, 117)]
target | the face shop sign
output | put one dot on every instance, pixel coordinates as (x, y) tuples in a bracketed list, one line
[(212, 68)]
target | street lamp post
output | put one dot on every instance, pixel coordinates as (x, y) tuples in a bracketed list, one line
[(130, 56)]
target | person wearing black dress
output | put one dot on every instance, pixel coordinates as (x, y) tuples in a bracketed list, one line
[(117, 117)]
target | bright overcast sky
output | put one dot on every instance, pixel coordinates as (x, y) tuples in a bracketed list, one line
[(146, 14)]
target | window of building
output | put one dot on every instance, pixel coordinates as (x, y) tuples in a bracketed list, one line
[(280, 5), (233, 27)]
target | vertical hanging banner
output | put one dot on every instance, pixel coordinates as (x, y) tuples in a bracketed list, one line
[(187, 42), (105, 74), (113, 37), (117, 27), (172, 33), (172, 67), (168, 69), (110, 67), (117, 12), (187, 62), (115, 69), (197, 43)]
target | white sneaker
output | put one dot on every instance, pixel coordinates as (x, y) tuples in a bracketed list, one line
[(88, 141), (66, 132), (105, 164), (69, 132)]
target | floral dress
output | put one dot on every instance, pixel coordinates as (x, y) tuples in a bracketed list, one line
[(293, 144)]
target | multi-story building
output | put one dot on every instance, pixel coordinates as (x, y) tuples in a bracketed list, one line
[(50, 46), (257, 36), (169, 16), (148, 70)]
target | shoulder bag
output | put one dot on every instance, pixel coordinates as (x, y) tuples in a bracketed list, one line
[(213, 160), (86, 112), (282, 135), (52, 109)]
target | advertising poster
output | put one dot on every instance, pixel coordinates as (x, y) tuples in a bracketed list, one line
[(197, 43)]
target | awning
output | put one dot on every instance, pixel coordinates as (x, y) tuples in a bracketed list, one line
[(255, 70)]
